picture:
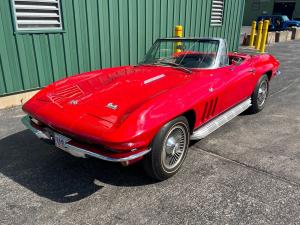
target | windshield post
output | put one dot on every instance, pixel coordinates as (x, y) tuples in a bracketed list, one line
[(222, 55)]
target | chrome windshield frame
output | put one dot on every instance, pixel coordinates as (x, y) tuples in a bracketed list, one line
[(221, 45)]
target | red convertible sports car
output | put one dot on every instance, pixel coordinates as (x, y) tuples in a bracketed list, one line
[(185, 88)]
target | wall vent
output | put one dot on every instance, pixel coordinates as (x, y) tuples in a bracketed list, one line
[(217, 10), (37, 15)]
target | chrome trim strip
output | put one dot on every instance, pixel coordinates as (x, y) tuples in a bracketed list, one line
[(219, 121), (95, 155), (71, 148), (154, 78)]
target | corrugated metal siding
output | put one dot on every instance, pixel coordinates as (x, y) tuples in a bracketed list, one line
[(102, 33)]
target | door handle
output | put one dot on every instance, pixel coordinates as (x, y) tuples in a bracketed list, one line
[(252, 71)]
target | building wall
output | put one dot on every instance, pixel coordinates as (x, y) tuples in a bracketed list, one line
[(102, 33), (297, 10), (255, 8)]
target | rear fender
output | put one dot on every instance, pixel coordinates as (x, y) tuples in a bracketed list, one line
[(265, 64)]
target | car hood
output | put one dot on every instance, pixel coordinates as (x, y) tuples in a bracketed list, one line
[(113, 94)]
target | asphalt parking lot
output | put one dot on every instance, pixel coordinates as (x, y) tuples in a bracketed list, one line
[(247, 172)]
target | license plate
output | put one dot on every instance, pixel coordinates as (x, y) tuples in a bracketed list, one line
[(61, 141)]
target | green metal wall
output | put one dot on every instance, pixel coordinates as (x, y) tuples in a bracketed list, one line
[(102, 33)]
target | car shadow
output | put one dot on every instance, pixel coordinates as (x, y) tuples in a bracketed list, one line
[(58, 176)]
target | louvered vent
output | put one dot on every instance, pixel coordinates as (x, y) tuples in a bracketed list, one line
[(217, 9), (209, 109), (37, 14), (65, 94)]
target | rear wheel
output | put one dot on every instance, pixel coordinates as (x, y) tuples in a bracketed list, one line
[(260, 94), (169, 149)]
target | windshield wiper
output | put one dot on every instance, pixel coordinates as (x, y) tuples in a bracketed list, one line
[(143, 64), (175, 65)]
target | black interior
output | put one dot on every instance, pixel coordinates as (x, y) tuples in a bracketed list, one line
[(204, 60), (235, 60)]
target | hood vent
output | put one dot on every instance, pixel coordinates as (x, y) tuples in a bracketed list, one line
[(65, 94)]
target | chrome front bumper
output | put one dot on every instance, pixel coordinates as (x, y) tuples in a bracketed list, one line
[(81, 152)]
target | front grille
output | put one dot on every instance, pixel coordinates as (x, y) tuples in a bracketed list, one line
[(75, 140)]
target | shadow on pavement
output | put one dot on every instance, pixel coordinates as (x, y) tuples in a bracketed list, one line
[(53, 174)]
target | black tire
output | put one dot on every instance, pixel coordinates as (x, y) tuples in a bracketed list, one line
[(259, 98), (155, 163)]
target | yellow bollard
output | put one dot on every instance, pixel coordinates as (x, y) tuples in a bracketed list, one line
[(264, 36), (258, 35), (253, 31), (178, 33)]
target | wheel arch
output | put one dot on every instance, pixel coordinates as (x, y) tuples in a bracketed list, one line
[(190, 115), (269, 74)]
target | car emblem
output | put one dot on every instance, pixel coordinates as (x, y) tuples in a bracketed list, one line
[(112, 106), (211, 89), (73, 102)]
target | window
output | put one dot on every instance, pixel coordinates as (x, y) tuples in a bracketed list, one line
[(37, 15), (217, 9)]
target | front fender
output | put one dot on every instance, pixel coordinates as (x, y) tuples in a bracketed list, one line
[(142, 125)]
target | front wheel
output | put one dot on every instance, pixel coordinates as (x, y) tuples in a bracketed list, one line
[(169, 149), (260, 94)]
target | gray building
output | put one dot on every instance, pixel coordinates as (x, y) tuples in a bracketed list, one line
[(255, 8)]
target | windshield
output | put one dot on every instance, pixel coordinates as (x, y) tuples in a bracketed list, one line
[(186, 53)]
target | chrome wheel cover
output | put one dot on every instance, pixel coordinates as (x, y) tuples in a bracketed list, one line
[(262, 93), (174, 145)]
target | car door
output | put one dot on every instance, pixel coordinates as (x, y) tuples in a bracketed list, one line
[(208, 88), (238, 83)]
